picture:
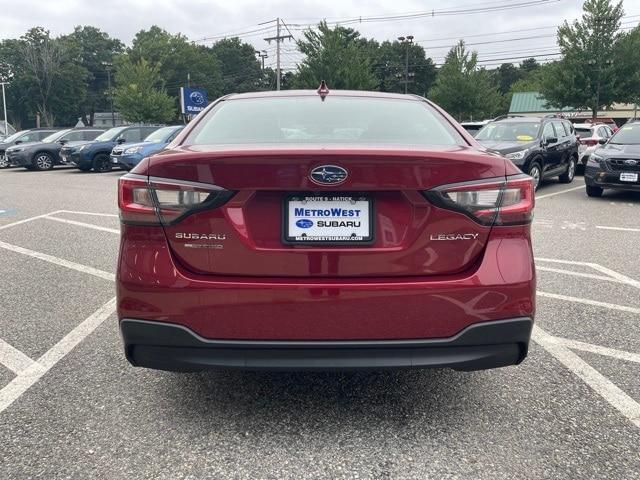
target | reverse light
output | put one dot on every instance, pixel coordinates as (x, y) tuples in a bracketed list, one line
[(508, 201), (153, 201)]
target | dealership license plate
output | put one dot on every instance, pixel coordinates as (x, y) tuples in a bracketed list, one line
[(628, 177), (327, 219)]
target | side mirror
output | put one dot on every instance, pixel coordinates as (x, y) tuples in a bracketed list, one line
[(63, 141), (18, 142), (602, 141), (550, 140), (120, 140)]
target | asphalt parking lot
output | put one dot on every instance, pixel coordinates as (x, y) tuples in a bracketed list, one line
[(72, 407)]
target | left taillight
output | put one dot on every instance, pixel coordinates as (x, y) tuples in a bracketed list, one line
[(507, 201), (154, 201)]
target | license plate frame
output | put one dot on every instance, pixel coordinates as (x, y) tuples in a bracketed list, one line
[(628, 177), (365, 240)]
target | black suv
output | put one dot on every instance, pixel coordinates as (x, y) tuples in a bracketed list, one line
[(23, 136), (541, 147), (616, 164)]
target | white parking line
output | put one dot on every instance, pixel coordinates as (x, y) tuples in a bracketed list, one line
[(586, 301), (621, 229), (600, 350), (13, 359), (28, 377), (59, 261), (30, 219), (579, 274), (594, 379), (88, 213), (82, 224), (558, 193)]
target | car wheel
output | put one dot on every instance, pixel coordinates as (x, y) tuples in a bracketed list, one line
[(43, 161), (568, 176), (4, 161), (101, 163), (594, 191), (535, 172)]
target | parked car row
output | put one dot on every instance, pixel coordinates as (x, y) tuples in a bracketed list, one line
[(554, 147), (86, 148)]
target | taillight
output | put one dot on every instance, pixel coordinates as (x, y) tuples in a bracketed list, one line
[(157, 201), (507, 201)]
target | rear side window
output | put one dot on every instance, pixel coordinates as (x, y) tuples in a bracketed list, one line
[(336, 120), (560, 131)]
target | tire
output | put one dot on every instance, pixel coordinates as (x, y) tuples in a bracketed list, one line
[(594, 191), (102, 163), (535, 171), (569, 175), (42, 161), (4, 161)]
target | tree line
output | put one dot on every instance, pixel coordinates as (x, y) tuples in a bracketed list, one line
[(61, 79)]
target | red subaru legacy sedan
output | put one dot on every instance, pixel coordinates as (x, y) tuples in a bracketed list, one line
[(325, 230)]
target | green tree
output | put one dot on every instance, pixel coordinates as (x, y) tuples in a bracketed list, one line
[(336, 56), (179, 61), (626, 61), (585, 76), (94, 50), (389, 63), (140, 96), (461, 88), (240, 69)]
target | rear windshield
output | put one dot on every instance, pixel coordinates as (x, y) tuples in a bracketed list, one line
[(588, 131), (510, 131), (628, 135), (336, 120)]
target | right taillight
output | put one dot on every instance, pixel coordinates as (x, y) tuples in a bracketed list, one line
[(508, 201), (153, 201)]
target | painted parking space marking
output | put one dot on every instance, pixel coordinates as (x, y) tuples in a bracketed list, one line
[(82, 224), (95, 214), (58, 261), (567, 190), (619, 229), (598, 349), (610, 392), (586, 301), (14, 359), (27, 220), (592, 276), (29, 376)]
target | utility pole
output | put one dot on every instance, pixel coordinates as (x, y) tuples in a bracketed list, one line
[(108, 66), (262, 54), (278, 38), (4, 105), (407, 41)]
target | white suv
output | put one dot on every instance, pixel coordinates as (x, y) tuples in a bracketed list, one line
[(590, 135)]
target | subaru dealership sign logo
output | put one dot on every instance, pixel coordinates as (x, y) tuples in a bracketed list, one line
[(192, 100)]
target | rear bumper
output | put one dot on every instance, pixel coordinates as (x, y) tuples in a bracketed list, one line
[(480, 346)]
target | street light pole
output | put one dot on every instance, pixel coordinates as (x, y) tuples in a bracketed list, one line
[(108, 66), (4, 105), (407, 41)]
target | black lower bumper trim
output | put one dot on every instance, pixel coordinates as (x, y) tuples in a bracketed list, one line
[(172, 347)]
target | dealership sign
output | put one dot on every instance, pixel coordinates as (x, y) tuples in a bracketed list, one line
[(192, 100)]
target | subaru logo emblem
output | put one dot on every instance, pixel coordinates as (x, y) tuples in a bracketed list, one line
[(197, 98), (328, 175), (631, 162), (304, 223)]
